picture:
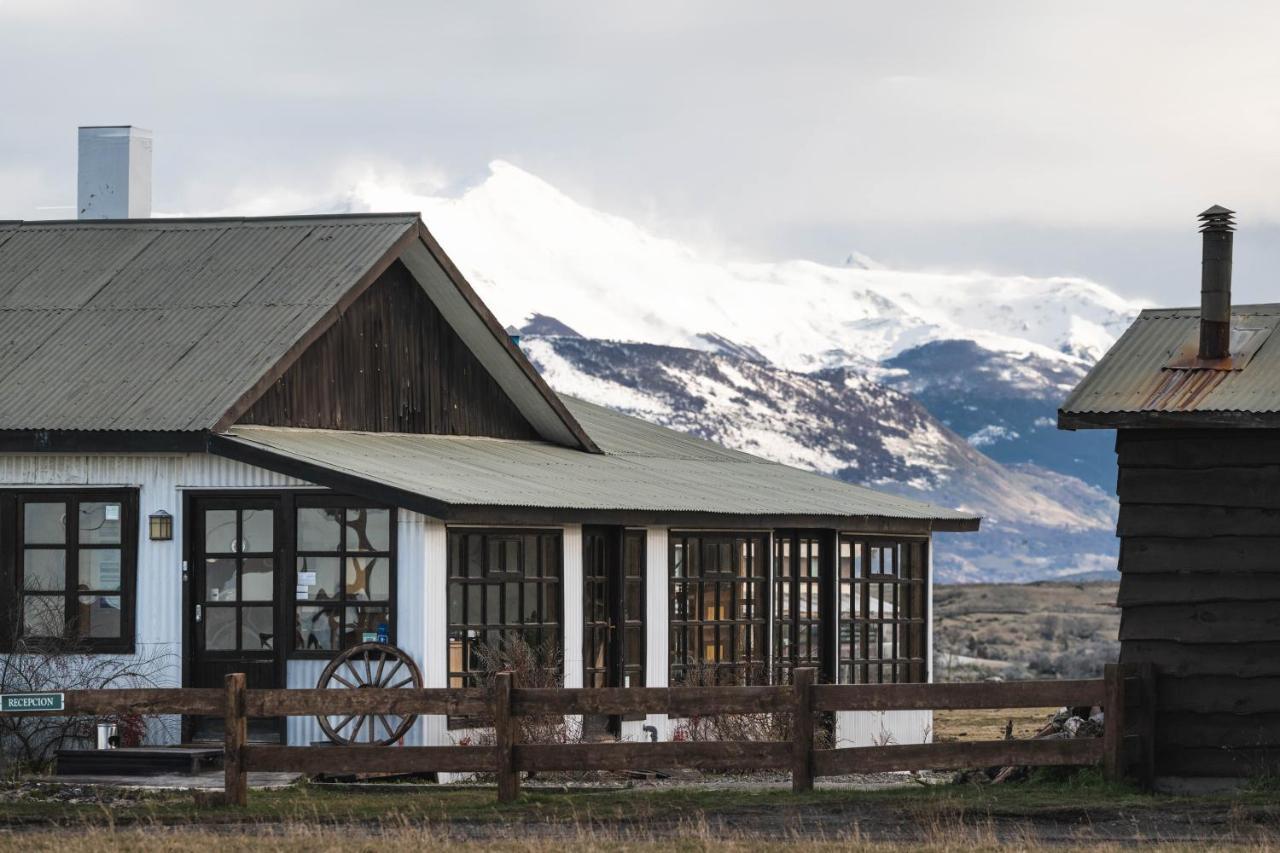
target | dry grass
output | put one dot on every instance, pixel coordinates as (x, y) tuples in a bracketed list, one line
[(987, 724)]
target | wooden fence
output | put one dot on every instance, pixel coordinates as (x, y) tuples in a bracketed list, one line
[(1125, 693)]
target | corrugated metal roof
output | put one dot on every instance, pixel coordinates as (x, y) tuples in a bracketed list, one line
[(1140, 374), (643, 468), (164, 324)]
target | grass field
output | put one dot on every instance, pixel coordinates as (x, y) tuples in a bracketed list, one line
[(1076, 811)]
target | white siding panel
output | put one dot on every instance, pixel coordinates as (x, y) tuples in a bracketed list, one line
[(883, 728), (657, 599), (160, 481), (571, 583)]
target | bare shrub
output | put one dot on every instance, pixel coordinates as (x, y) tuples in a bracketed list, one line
[(55, 665), (538, 664)]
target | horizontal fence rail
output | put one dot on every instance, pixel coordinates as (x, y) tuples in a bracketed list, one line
[(1125, 693)]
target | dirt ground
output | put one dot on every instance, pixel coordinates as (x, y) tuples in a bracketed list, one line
[(988, 724)]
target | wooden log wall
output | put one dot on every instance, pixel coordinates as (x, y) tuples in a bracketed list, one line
[(391, 363), (1200, 593)]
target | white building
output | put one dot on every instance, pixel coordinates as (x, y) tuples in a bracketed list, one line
[(349, 445)]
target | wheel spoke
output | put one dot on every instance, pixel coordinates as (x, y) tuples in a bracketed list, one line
[(390, 733), (355, 673), (345, 721), (368, 669), (401, 683), (382, 664), (346, 683), (382, 682)]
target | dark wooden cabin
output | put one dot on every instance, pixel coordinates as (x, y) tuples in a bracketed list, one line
[(1194, 397)]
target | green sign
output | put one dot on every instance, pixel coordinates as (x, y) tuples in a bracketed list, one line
[(17, 703)]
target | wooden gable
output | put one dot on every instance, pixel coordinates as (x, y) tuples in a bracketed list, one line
[(391, 363)]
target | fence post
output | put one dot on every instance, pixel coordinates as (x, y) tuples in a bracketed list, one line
[(235, 732), (1113, 722), (802, 730), (504, 725)]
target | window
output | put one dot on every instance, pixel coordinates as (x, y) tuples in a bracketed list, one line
[(719, 608), (797, 597), (345, 563), (74, 560), (504, 586), (882, 610), (613, 608)]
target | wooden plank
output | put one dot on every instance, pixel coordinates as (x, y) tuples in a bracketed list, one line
[(1220, 694), (1253, 486), (1144, 718), (1113, 707), (673, 701), (957, 756), (371, 759), (802, 730), (1196, 587), (1167, 554), (1194, 522), (1180, 660), (1213, 622), (1216, 731), (724, 755), (507, 730), (139, 701), (235, 729), (401, 702), (1198, 449), (938, 697), (1254, 763)]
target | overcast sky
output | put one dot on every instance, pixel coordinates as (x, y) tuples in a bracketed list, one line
[(1029, 137)]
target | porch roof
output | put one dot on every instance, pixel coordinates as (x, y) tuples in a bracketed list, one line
[(645, 473)]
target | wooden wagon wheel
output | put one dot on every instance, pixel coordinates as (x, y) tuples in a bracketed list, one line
[(361, 667)]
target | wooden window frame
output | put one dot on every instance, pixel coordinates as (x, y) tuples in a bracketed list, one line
[(754, 667), (289, 510), (909, 625), (615, 616), (12, 547), (801, 640), (458, 585)]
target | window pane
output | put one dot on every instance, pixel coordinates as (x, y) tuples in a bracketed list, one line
[(99, 616), (258, 579), (220, 531), (318, 628), (324, 585), (100, 522), (361, 621), (259, 530), (220, 579), (220, 629), (256, 630), (44, 523), (319, 529), (368, 530), (368, 579), (100, 569), (44, 570), (43, 616)]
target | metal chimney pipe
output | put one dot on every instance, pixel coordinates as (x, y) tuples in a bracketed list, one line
[(1215, 283)]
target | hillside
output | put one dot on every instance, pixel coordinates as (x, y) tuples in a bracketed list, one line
[(937, 384)]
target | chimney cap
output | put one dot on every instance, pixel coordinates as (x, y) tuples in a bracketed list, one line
[(1217, 218)]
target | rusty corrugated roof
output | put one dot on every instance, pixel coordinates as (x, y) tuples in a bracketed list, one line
[(164, 324), (1151, 370)]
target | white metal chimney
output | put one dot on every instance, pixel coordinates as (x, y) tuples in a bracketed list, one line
[(114, 180)]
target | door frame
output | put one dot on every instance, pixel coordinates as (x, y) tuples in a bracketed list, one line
[(189, 547)]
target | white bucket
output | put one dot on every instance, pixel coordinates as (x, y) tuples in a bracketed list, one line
[(107, 737)]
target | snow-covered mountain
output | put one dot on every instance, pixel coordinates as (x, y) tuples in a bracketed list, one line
[(937, 384)]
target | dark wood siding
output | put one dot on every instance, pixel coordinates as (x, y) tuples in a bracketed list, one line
[(391, 364), (1200, 592)]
